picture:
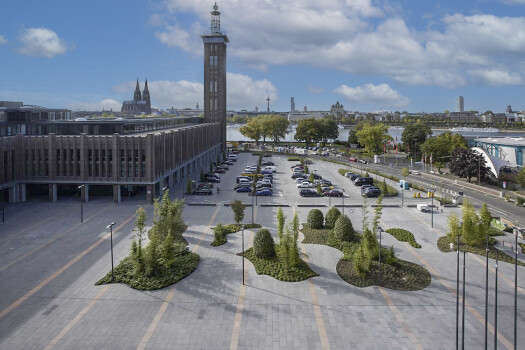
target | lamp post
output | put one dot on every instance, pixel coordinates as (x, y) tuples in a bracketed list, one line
[(110, 226), (253, 220), (81, 209), (463, 307), (432, 191), (3, 214), (496, 304), (486, 286), (243, 254), (379, 275), (343, 199), (457, 295), (415, 150), (515, 288)]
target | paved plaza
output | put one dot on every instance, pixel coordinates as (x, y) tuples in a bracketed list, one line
[(49, 263)]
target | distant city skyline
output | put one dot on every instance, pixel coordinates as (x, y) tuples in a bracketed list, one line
[(370, 56)]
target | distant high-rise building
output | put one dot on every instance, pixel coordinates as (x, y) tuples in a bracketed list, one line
[(509, 109), (268, 100), (460, 106), (141, 103), (292, 105), (305, 110), (215, 74)]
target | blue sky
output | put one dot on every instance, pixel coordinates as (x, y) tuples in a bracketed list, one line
[(369, 55)]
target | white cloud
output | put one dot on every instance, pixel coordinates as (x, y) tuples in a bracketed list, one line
[(106, 105), (3, 40), (341, 35), (315, 90), (513, 2), (380, 95), (42, 42), (496, 77), (242, 92)]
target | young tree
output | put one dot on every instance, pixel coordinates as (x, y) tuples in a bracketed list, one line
[(454, 227), (485, 216), (280, 223), (188, 186), (308, 130), (471, 225), (140, 226), (360, 262), (167, 218), (520, 178), (413, 136), (370, 244), (378, 212), (238, 210), (294, 251), (405, 172), (352, 136), (329, 130), (276, 126), (252, 130)]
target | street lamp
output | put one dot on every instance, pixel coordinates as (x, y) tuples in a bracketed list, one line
[(81, 209), (379, 275), (516, 231), (243, 254), (432, 191), (110, 226)]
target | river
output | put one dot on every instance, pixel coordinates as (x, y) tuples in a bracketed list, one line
[(233, 134)]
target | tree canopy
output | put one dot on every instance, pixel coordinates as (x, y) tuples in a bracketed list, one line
[(467, 163), (373, 137), (308, 131), (352, 136), (329, 129), (441, 146), (414, 136), (252, 130)]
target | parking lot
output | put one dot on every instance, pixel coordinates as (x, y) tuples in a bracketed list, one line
[(50, 262)]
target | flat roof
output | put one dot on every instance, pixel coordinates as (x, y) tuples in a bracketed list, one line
[(507, 141)]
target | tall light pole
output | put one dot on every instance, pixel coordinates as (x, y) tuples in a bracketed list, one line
[(243, 254), (81, 209), (496, 304), (253, 220), (486, 287), (515, 288), (432, 191), (463, 307), (379, 275), (110, 226), (457, 296)]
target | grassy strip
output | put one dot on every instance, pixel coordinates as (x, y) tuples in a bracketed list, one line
[(391, 191), (183, 265), (391, 177), (443, 200), (294, 159), (443, 244), (522, 247), (275, 268), (403, 275), (404, 236), (228, 229)]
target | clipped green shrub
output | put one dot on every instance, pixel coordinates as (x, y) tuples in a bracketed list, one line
[(331, 217), (343, 230), (404, 236), (315, 219), (263, 244)]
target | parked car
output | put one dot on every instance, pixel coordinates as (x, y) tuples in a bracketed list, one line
[(415, 172), (266, 185), (233, 156), (203, 191), (222, 166), (326, 189), (297, 175), (267, 155), (272, 168), (305, 184), (360, 181), (211, 179), (268, 163), (325, 182), (308, 161), (241, 185), (300, 180), (354, 176), (297, 166), (365, 187), (334, 193), (308, 193), (263, 172), (243, 189), (268, 176), (228, 162), (362, 161), (317, 176), (348, 174), (372, 192), (239, 178), (423, 208), (264, 192), (220, 170), (352, 159)]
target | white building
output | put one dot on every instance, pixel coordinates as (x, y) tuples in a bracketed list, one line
[(460, 105), (297, 116)]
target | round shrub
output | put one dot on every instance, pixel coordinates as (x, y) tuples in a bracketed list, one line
[(331, 217), (263, 244), (315, 219), (343, 230)]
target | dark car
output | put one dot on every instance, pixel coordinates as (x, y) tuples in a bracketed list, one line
[(367, 186), (212, 179), (325, 183), (317, 177), (308, 193), (222, 166), (308, 161), (220, 170), (267, 155), (268, 163), (354, 176), (297, 175), (234, 151), (334, 193), (241, 186), (372, 192), (264, 185), (360, 181), (240, 189), (243, 177), (227, 162), (264, 192), (203, 191)]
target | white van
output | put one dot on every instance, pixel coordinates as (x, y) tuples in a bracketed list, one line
[(423, 208)]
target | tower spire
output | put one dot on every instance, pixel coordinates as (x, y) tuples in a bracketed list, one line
[(268, 100), (137, 96), (215, 25)]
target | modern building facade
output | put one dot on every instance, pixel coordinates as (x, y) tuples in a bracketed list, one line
[(292, 105), (141, 103), (460, 105), (500, 152), (215, 75)]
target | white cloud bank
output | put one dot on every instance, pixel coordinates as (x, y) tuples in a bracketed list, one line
[(242, 91), (341, 35), (3, 40), (381, 95), (41, 42)]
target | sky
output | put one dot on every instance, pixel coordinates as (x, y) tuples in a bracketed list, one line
[(370, 55)]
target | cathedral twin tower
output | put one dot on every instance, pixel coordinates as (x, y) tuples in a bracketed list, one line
[(141, 102)]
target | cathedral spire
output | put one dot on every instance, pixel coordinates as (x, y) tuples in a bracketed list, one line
[(137, 96), (215, 25)]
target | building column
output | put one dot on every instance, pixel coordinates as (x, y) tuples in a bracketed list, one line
[(171, 180), (84, 193), (53, 197), (23, 192), (116, 194), (150, 193), (14, 192)]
